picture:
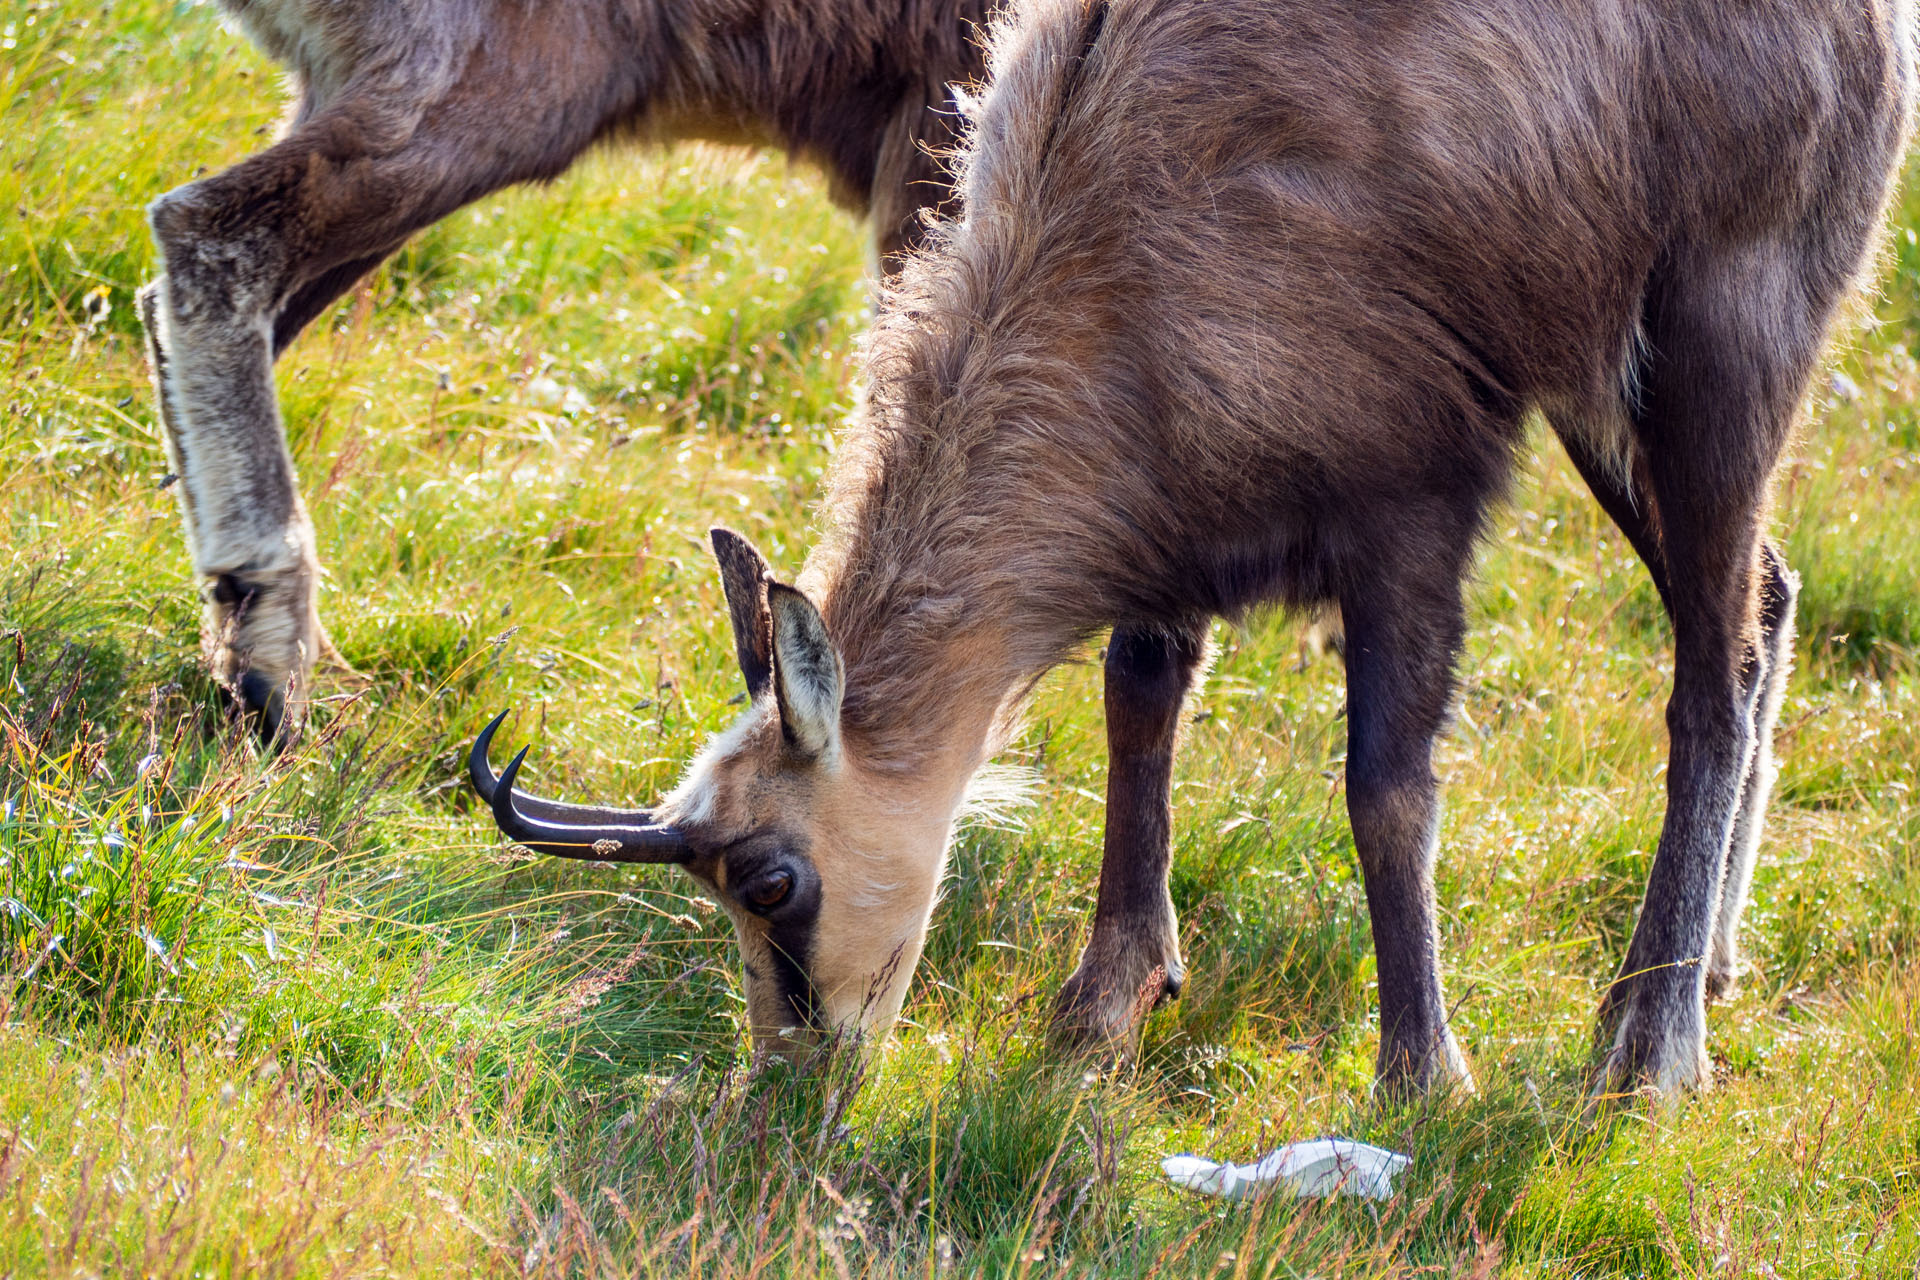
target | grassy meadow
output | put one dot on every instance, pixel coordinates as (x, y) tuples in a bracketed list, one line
[(308, 1016)]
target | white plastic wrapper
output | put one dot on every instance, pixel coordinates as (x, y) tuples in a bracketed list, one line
[(1309, 1170)]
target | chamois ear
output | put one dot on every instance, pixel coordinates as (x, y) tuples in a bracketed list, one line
[(744, 576), (808, 675)]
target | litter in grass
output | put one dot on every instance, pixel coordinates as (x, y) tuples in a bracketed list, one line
[(1306, 1170)]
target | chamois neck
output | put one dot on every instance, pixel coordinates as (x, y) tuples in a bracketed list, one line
[(985, 509), (937, 661), (948, 601)]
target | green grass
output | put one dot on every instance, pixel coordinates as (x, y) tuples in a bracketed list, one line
[(306, 1016)]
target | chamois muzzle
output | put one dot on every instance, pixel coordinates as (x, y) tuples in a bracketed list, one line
[(568, 830)]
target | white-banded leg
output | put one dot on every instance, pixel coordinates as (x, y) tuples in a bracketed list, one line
[(253, 253)]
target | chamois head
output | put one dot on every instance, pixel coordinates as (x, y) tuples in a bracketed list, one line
[(829, 880)]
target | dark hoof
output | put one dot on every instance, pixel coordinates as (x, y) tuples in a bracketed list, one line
[(1423, 1068), (1099, 1013), (262, 705), (261, 636), (1721, 984), (1652, 1042)]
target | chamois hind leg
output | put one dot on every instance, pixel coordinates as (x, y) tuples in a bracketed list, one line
[(1732, 340), (1770, 661), (1132, 960), (1766, 669), (1403, 631), (250, 255)]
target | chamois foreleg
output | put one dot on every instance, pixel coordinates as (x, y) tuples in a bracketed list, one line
[(1132, 959), (1733, 339), (1403, 631), (250, 256)]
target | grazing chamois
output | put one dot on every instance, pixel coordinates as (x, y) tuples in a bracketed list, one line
[(410, 109), (1248, 302)]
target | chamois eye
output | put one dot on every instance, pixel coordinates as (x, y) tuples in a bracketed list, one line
[(765, 892)]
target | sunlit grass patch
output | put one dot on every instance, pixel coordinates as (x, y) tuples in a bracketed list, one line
[(199, 1159), (307, 1016)]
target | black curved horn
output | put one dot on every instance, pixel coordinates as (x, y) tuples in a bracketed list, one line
[(568, 830), (481, 774)]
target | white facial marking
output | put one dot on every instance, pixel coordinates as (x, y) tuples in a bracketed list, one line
[(692, 801)]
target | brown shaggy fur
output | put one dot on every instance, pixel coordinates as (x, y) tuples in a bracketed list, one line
[(1248, 304)]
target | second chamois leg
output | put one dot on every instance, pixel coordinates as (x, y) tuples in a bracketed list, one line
[(1132, 960), (1403, 632)]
